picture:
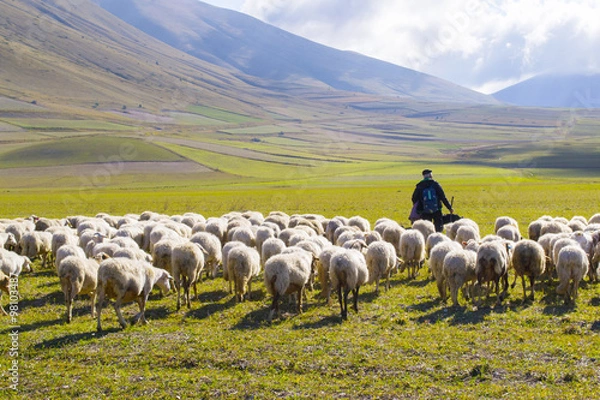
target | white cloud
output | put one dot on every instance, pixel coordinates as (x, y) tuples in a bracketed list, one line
[(475, 43)]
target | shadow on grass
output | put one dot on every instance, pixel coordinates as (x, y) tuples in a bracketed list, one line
[(35, 325), (208, 309), (595, 326), (458, 315), (331, 320), (65, 340), (255, 319), (50, 298)]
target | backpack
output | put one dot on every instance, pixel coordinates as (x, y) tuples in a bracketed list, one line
[(429, 200)]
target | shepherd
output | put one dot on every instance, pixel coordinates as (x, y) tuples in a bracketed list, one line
[(427, 201)]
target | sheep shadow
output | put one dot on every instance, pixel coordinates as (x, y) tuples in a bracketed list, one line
[(36, 325), (213, 296), (595, 326), (595, 301), (255, 319), (50, 298), (331, 320), (73, 338), (424, 306), (208, 309), (457, 315), (156, 313)]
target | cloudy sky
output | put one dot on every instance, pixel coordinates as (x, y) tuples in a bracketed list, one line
[(484, 45)]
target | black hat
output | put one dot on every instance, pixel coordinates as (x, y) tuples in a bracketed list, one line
[(426, 171)]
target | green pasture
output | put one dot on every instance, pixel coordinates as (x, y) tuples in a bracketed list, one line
[(84, 149), (67, 124), (221, 115)]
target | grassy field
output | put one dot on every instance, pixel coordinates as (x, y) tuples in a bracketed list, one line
[(403, 343)]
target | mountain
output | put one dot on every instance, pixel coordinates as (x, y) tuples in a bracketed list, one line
[(72, 52), (565, 91), (275, 57)]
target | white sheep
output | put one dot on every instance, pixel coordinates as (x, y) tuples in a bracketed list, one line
[(348, 272), (332, 225), (263, 233), (555, 226), (133, 253), (212, 245), (594, 270), (66, 251), (323, 270), (505, 221), (535, 228), (594, 219), (162, 250), (360, 222), (271, 247), (459, 268), (187, 262), (8, 241), (465, 233), (528, 259), (278, 218), (571, 267), (452, 228), (225, 254), (434, 239), (78, 276), (12, 263), (425, 227), (127, 280), (381, 261), (245, 235), (436, 263), (243, 263), (492, 266), (412, 251), (34, 244), (287, 273), (509, 232)]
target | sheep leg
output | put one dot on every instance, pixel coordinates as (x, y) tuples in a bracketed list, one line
[(387, 281), (93, 300), (117, 307), (178, 287), (99, 309), (355, 299), (512, 285), (532, 281), (141, 317), (301, 295), (186, 292), (274, 307), (249, 289), (524, 291), (377, 285), (341, 301)]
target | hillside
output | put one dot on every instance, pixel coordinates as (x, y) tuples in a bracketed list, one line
[(566, 91), (275, 57), (73, 52)]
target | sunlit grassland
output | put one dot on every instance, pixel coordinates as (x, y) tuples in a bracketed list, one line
[(85, 149), (222, 115)]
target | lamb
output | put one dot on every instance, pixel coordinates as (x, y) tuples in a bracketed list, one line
[(528, 259), (459, 267), (78, 276), (287, 273), (243, 263), (187, 262), (436, 263), (212, 245), (348, 272), (13, 264), (381, 260), (412, 251), (492, 266), (571, 267), (34, 244), (128, 280), (425, 227)]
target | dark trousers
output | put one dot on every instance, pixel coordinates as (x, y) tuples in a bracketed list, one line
[(436, 218)]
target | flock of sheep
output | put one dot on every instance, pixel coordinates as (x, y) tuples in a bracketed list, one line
[(124, 257)]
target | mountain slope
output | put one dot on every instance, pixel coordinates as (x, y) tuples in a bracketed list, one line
[(73, 52), (242, 43), (568, 91)]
